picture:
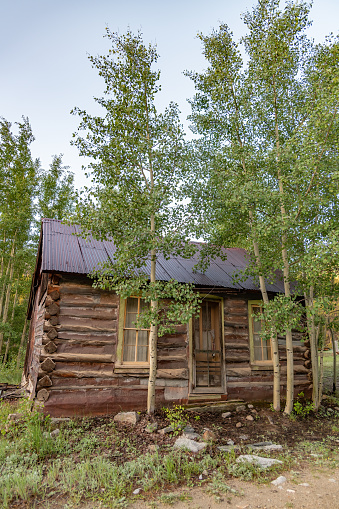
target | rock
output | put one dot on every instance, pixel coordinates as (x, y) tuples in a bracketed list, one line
[(153, 448), (209, 436), (15, 417), (330, 410), (191, 445), (230, 442), (188, 429), (238, 425), (191, 436), (240, 408), (200, 477), (290, 491), (254, 411), (226, 415), (205, 473), (249, 418), (137, 491), (55, 433), (336, 408), (168, 429), (332, 480), (127, 417), (151, 427), (279, 480), (243, 437), (228, 448), (59, 421), (272, 447), (304, 484), (258, 460), (250, 406)]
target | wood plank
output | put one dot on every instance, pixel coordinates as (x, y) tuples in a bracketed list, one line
[(78, 357), (83, 299), (86, 324), (67, 348), (89, 312), (237, 346), (87, 337)]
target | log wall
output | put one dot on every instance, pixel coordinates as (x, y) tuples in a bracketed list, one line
[(78, 347), (71, 363), (256, 382)]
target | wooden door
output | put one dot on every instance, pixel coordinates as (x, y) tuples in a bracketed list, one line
[(208, 368)]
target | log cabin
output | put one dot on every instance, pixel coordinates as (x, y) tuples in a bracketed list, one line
[(85, 357)]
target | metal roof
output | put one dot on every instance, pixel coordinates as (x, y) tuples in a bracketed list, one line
[(63, 250)]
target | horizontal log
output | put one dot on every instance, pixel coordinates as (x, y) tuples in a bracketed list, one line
[(236, 346), (181, 373), (235, 320), (229, 302), (81, 372), (77, 357), (172, 364), (96, 387), (68, 348), (264, 384), (87, 337), (172, 353), (236, 358), (238, 371), (95, 300), (89, 312), (86, 324)]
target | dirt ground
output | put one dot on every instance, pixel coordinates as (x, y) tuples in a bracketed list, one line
[(309, 489)]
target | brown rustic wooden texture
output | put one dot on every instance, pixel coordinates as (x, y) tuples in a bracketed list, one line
[(80, 336), (244, 380), (34, 346)]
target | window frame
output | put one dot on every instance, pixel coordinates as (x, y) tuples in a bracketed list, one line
[(121, 365), (256, 364)]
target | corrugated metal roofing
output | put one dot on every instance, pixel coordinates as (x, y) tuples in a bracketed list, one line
[(64, 251)]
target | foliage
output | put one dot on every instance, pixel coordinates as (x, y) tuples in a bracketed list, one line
[(300, 409), (56, 198), (266, 160), (177, 417), (26, 194), (138, 170)]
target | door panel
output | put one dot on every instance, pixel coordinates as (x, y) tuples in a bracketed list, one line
[(208, 349)]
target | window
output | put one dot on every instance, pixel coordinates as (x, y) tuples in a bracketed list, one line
[(135, 341), (261, 351)]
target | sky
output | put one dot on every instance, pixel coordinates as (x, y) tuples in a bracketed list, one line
[(44, 48)]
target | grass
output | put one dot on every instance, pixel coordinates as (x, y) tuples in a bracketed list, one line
[(95, 460), (9, 373)]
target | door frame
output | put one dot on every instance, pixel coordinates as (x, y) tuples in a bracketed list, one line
[(191, 364)]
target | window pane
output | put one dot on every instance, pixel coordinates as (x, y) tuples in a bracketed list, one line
[(130, 321), (142, 354), (129, 345), (257, 347)]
